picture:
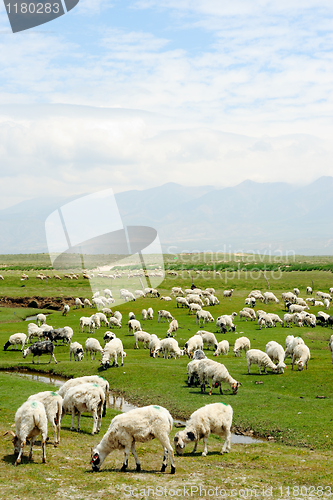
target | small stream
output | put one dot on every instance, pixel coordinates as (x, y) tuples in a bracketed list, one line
[(117, 402)]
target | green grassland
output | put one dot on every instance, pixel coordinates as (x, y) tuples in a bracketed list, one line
[(293, 411)]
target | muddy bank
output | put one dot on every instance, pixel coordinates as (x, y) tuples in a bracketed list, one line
[(36, 302)]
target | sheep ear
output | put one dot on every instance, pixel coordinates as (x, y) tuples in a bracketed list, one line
[(9, 432), (191, 436)]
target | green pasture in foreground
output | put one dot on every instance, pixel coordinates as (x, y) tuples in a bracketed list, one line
[(294, 408)]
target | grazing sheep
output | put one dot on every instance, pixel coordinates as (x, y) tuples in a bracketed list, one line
[(113, 349), (275, 318), (92, 379), (134, 325), (166, 298), (194, 299), (39, 348), (215, 418), (102, 318), (222, 348), (250, 301), (296, 291), (144, 314), (270, 297), (85, 397), (86, 322), (41, 319), (30, 421), (77, 350), (78, 303), (141, 336), (291, 343), (208, 338), (309, 290), (107, 311), (218, 373), (173, 327), (241, 344), (53, 407), (92, 346), (260, 358), (139, 293), (65, 334), (65, 310), (109, 336), (150, 313), (228, 293), (205, 316), (141, 425), (326, 303), (265, 320), (302, 354), (115, 321), (166, 315), (250, 311), (276, 352), (192, 372), (169, 347), (256, 294), (35, 331), (246, 315), (288, 320), (182, 301), (295, 308), (192, 344), (131, 315), (194, 308), (154, 346), (15, 340), (176, 290), (227, 319), (87, 303)]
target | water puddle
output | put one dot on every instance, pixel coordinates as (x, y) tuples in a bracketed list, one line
[(117, 402)]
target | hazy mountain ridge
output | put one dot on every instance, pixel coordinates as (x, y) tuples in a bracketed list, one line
[(251, 216)]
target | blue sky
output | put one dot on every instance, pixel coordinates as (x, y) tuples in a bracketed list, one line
[(132, 94)]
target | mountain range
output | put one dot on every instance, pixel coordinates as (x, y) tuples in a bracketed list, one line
[(249, 217)]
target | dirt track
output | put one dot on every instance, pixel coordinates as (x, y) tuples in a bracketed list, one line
[(53, 303)]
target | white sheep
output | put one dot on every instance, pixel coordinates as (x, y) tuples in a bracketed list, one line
[(170, 347), (241, 344), (107, 311), (92, 346), (222, 348), (265, 320), (87, 303), (209, 369), (176, 290), (260, 358), (289, 297), (76, 350), (227, 319), (309, 290), (150, 313), (30, 421), (53, 407), (182, 301), (86, 322), (270, 297), (194, 308), (113, 349), (154, 346), (166, 298), (102, 318), (164, 315), (78, 303), (143, 337), (291, 343), (245, 315), (296, 291), (192, 344), (41, 319), (34, 331), (134, 325), (208, 338), (228, 293), (131, 315), (276, 352), (85, 397), (192, 372), (15, 340), (115, 321), (205, 316), (215, 418), (65, 310), (139, 294), (250, 301), (144, 314), (288, 320), (256, 294), (107, 293), (275, 318), (142, 425), (301, 354), (250, 311), (173, 327), (326, 303), (194, 299), (92, 379), (295, 308)]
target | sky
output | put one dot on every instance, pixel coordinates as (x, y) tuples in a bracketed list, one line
[(134, 94)]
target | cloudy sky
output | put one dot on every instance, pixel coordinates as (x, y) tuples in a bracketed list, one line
[(134, 94)]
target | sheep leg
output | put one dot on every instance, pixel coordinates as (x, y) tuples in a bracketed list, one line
[(195, 447), (126, 453), (227, 443), (137, 461), (168, 451), (205, 451), (18, 460), (53, 356), (96, 422), (31, 445)]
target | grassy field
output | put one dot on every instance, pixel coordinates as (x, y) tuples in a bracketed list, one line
[(293, 411)]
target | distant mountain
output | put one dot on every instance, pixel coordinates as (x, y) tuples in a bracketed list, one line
[(257, 217)]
